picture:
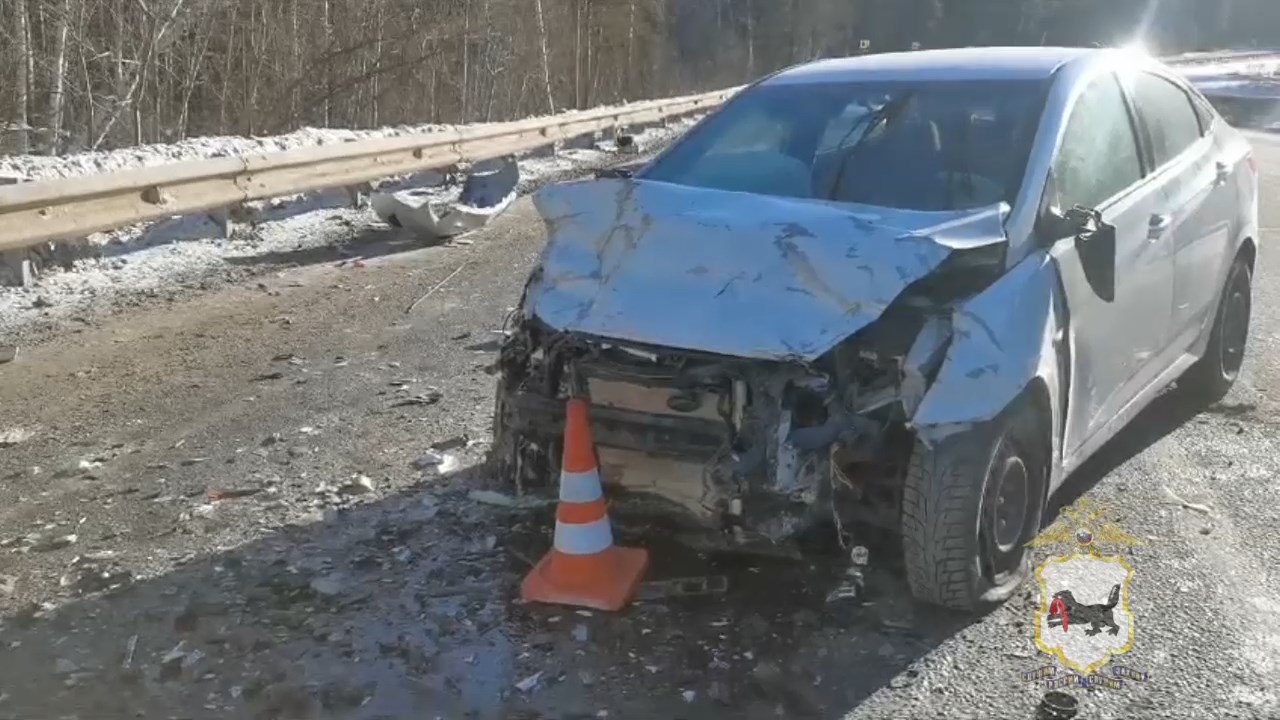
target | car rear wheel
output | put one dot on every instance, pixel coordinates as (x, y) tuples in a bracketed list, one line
[(970, 505), (1216, 371)]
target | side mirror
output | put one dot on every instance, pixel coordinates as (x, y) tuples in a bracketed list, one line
[(1095, 245), (1054, 225), (1095, 239)]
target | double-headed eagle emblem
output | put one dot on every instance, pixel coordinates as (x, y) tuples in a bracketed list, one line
[(1083, 523), (1083, 618)]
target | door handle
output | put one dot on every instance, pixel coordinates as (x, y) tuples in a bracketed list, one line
[(1158, 225)]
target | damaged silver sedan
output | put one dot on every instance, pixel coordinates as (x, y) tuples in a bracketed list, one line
[(909, 292)]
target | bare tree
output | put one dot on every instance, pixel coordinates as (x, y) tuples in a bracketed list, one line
[(23, 71), (58, 75), (546, 65), (107, 73)]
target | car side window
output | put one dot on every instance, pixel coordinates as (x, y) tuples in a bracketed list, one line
[(1099, 153), (1169, 116)]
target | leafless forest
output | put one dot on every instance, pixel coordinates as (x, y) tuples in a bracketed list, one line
[(77, 74)]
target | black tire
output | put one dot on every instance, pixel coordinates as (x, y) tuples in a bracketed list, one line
[(1214, 374), (953, 549)]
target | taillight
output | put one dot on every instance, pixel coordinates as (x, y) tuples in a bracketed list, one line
[(1253, 164)]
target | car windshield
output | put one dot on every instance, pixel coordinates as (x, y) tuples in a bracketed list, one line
[(942, 145)]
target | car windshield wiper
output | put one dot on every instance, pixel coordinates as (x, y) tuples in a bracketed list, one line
[(884, 115), (960, 158)]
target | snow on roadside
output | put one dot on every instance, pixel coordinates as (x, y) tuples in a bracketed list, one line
[(160, 259), (1249, 88), (40, 167)]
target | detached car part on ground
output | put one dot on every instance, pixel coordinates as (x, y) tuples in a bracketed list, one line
[(489, 189), (855, 295)]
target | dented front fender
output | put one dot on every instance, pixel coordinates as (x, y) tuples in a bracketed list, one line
[(1003, 340)]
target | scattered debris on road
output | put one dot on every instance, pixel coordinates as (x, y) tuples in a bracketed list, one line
[(529, 683), (48, 544), (359, 484), (12, 436), (231, 494), (1186, 505), (683, 587), (489, 189), (1057, 705), (510, 502), (433, 290)]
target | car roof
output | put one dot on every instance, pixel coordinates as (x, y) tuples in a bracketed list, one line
[(985, 63)]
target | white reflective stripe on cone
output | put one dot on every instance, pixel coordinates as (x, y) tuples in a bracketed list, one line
[(580, 487), (584, 538)]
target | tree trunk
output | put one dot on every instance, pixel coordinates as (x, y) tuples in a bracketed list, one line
[(466, 54), (328, 71), (296, 57), (375, 108), (628, 73), (577, 53), (192, 78), (546, 64), (590, 91), (22, 96), (90, 118), (57, 76)]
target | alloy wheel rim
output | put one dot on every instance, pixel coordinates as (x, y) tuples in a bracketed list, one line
[(1008, 508)]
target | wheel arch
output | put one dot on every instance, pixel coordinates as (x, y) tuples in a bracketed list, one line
[(1009, 346), (1037, 399), (1249, 251)]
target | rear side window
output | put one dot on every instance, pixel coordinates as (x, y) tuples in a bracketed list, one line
[(1169, 116), (1205, 111), (1099, 154)]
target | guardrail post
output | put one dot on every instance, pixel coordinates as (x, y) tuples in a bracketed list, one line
[(585, 141), (627, 144), (359, 194), (17, 269), (230, 219)]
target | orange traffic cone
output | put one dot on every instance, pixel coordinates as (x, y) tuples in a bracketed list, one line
[(584, 567)]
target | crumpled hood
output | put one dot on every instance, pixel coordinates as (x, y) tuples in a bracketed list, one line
[(732, 273)]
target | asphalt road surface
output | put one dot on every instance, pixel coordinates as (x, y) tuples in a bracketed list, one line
[(224, 506)]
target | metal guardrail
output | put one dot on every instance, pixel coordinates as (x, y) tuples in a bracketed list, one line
[(38, 211), (66, 208)]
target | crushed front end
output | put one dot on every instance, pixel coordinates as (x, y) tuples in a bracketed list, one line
[(761, 450), (755, 385)]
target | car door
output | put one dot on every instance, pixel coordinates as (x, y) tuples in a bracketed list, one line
[(1115, 344), (1198, 197)]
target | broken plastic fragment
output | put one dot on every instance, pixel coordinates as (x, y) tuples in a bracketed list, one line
[(530, 682)]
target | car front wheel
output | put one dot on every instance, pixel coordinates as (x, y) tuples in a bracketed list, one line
[(970, 505)]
